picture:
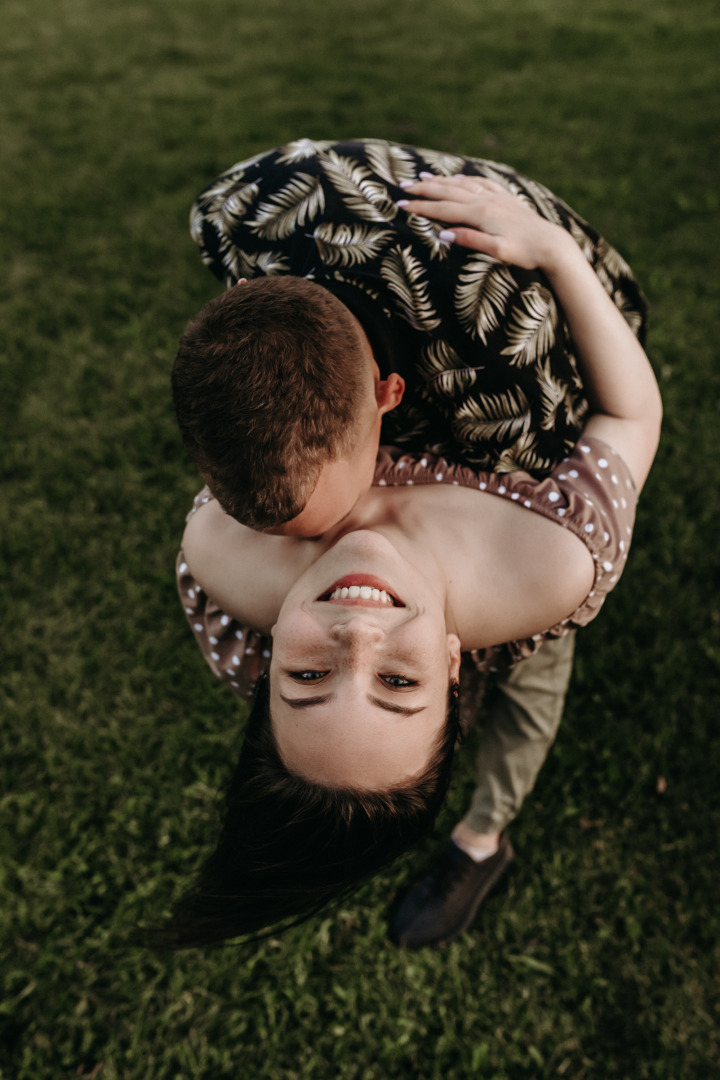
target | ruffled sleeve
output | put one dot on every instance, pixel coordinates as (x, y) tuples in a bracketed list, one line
[(236, 654)]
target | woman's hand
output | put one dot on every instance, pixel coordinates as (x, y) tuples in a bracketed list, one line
[(487, 217), (618, 379)]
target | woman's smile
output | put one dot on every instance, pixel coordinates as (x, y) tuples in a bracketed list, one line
[(361, 590)]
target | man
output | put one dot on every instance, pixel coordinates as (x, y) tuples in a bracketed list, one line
[(361, 323)]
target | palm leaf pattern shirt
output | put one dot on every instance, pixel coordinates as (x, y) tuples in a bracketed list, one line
[(491, 375)]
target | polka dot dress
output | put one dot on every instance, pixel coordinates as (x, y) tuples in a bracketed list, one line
[(235, 653), (591, 493)]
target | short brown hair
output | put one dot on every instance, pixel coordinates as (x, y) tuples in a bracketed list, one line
[(266, 385)]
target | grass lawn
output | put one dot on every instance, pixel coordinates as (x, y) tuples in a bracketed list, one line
[(600, 959)]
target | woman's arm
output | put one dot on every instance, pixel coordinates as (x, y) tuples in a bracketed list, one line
[(619, 381), (246, 573)]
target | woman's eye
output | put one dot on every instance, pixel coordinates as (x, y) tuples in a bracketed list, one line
[(399, 682), (307, 676)]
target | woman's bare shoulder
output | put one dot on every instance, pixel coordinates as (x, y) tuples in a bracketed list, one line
[(520, 574), (245, 572)]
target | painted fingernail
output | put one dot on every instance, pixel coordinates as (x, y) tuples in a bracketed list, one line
[(426, 176), (402, 202), (406, 183), (447, 236)]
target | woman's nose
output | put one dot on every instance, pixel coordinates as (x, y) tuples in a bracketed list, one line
[(356, 630)]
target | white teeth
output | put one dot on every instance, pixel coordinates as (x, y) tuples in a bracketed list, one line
[(362, 592)]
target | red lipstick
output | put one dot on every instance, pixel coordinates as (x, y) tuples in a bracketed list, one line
[(361, 579)]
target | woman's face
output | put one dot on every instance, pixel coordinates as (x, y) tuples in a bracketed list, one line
[(360, 668)]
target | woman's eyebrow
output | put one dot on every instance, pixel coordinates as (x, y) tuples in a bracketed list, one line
[(389, 706), (304, 702), (392, 706)]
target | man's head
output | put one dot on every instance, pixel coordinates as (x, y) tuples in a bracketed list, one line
[(279, 402)]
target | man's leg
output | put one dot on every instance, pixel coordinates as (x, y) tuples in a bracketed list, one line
[(522, 720)]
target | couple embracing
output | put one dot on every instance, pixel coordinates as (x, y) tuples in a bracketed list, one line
[(465, 318)]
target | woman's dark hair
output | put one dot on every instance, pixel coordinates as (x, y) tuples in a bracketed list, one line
[(289, 846)]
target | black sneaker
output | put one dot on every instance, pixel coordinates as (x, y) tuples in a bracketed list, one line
[(446, 900)]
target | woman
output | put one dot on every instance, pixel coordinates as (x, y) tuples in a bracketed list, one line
[(349, 746)]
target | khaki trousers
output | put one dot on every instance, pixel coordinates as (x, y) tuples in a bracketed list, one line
[(519, 724)]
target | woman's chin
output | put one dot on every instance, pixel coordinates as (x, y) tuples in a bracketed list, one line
[(365, 542)]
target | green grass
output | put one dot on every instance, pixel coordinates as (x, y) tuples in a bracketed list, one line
[(600, 960)]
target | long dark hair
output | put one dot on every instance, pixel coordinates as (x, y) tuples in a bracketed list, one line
[(289, 846)]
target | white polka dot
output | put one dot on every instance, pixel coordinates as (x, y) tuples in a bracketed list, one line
[(589, 527), (613, 579), (438, 476), (423, 462), (215, 655), (515, 495), (189, 610), (622, 545), (585, 449), (225, 620), (614, 479), (528, 504), (236, 661), (502, 489), (213, 640), (482, 485), (574, 473), (266, 653), (198, 626), (401, 464), (591, 593), (623, 503), (598, 477), (607, 567), (562, 476), (206, 499), (239, 635), (553, 496), (382, 483), (191, 593), (229, 671), (249, 651), (456, 483), (410, 482), (606, 537), (602, 463), (628, 530), (560, 511), (235, 684), (615, 503), (182, 568)]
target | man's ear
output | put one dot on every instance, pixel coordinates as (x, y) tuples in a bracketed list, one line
[(389, 392)]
